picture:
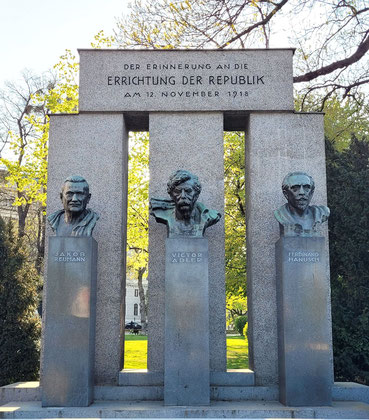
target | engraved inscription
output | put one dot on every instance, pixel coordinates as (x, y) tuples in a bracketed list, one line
[(303, 257), (70, 256), (186, 257), (235, 77)]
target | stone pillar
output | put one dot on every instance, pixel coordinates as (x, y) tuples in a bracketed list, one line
[(277, 143), (95, 146), (192, 141)]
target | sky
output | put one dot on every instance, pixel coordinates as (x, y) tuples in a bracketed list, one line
[(35, 33)]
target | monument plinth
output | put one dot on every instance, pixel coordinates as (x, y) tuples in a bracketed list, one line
[(305, 357), (186, 359), (70, 322)]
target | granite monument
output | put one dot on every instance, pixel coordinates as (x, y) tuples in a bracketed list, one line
[(186, 99)]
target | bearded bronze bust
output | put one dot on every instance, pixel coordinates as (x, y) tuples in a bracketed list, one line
[(182, 214)]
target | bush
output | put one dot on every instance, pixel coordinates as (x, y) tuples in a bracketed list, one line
[(240, 323), (348, 199), (19, 321), (245, 330)]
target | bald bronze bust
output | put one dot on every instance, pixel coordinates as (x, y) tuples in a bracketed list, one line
[(183, 215), (75, 219), (297, 217)]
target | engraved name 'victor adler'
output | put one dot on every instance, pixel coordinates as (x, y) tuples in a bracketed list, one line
[(186, 257)]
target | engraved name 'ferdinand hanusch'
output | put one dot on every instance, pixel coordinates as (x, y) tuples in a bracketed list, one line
[(303, 257)]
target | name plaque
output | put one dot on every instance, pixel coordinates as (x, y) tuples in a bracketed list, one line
[(70, 256), (186, 257), (185, 80), (303, 257)]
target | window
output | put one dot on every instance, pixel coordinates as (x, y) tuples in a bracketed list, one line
[(136, 292), (135, 309)]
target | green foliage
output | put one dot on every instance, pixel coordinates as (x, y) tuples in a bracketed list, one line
[(26, 123), (236, 305), (138, 202), (348, 198), (20, 324), (342, 117), (240, 323), (245, 330), (234, 218)]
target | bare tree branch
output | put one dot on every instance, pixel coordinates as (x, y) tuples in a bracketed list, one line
[(358, 54)]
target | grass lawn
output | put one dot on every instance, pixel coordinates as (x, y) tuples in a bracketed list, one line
[(136, 352)]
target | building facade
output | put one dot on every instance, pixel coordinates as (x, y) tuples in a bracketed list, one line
[(133, 310)]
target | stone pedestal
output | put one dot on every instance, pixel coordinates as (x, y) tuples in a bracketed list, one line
[(304, 330), (69, 336), (186, 355)]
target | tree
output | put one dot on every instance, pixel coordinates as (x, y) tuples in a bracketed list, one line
[(348, 198), (236, 305), (332, 37), (19, 323), (235, 227), (138, 214), (24, 128)]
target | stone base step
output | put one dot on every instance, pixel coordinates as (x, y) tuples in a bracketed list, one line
[(234, 377), (155, 409), (30, 391), (156, 392)]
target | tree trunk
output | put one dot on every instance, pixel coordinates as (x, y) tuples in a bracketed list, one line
[(141, 293), (22, 216), (40, 239)]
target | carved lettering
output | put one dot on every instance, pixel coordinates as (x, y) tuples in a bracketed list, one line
[(186, 257)]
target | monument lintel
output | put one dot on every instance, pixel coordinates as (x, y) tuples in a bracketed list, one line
[(186, 80)]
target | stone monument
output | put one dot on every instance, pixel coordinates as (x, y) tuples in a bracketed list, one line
[(186, 347), (69, 330), (186, 99), (304, 331)]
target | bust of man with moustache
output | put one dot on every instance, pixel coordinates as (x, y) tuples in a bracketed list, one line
[(296, 217), (183, 215)]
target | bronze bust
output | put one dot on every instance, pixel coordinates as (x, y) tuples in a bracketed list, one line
[(182, 214), (75, 219), (296, 217)]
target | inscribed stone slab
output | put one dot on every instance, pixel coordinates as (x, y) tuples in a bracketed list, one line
[(304, 330), (186, 80), (186, 358), (69, 347)]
